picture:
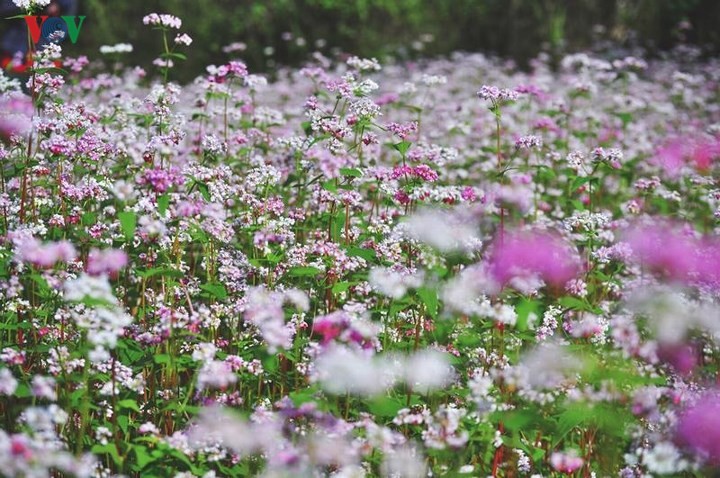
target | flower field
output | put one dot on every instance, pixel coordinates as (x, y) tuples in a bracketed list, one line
[(447, 268)]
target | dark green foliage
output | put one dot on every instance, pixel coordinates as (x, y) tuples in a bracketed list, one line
[(518, 29)]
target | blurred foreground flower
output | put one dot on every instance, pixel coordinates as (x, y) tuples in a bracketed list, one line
[(532, 256), (16, 111), (699, 427)]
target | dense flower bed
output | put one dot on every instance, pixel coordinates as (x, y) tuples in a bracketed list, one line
[(360, 270)]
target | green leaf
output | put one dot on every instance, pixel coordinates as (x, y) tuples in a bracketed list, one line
[(108, 449), (385, 407), (330, 185), (580, 180), (430, 299), (162, 271), (367, 254), (130, 404), (353, 172), (204, 190), (216, 289), (304, 396), (88, 219), (163, 204), (161, 358), (305, 271), (142, 457), (523, 310), (402, 147), (128, 223), (340, 287)]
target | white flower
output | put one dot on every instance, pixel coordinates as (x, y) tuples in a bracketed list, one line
[(183, 39), (446, 231), (664, 458), (204, 352), (28, 5), (8, 383), (343, 370), (89, 287), (216, 374), (393, 283), (117, 48), (406, 462), (428, 370), (162, 20)]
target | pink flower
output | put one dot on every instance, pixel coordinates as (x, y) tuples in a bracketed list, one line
[(30, 250), (528, 254), (566, 462), (699, 153), (675, 253), (109, 261), (16, 111), (699, 426)]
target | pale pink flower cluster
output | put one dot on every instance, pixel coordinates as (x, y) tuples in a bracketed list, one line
[(162, 20), (497, 95), (30, 250)]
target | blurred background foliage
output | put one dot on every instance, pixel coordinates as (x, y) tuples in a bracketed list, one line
[(286, 31)]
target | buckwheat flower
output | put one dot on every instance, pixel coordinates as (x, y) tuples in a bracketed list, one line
[(394, 283), (529, 142), (43, 387), (343, 370), (497, 95), (31, 5), (162, 20), (115, 49), (447, 231), (433, 80), (549, 365), (364, 64), (215, 374), (424, 172), (183, 39), (235, 46), (242, 437), (88, 286), (666, 250), (404, 462), (364, 108), (298, 298), (566, 462), (204, 352), (108, 261), (163, 62), (444, 429), (664, 458), (16, 112), (99, 354), (30, 250), (148, 428), (102, 434), (698, 427), (613, 156), (530, 253), (428, 370), (8, 383)]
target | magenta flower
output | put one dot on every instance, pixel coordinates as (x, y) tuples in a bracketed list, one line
[(698, 427), (675, 252), (531, 255), (699, 153)]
